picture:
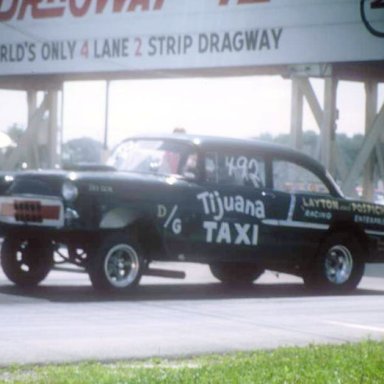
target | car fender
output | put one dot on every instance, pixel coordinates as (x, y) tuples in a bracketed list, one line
[(354, 229), (143, 228), (118, 218)]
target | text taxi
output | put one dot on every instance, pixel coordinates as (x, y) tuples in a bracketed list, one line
[(239, 206)]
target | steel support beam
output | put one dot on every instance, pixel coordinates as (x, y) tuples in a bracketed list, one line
[(106, 121), (312, 100), (371, 139), (32, 154), (328, 126), (380, 160), (314, 106), (297, 103), (325, 118), (371, 92), (52, 139)]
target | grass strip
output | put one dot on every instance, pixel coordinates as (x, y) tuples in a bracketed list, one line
[(326, 364)]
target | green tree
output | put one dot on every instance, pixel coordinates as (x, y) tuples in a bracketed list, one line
[(81, 150), (15, 132)]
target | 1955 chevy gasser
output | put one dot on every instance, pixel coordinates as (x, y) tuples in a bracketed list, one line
[(240, 206)]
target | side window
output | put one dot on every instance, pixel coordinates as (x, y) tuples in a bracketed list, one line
[(291, 177), (232, 169), (190, 168)]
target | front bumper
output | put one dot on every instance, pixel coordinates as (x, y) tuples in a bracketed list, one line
[(43, 217), (34, 211)]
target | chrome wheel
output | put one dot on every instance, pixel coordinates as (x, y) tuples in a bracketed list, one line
[(121, 265), (118, 263), (338, 264)]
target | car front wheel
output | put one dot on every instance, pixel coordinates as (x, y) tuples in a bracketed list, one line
[(339, 265), (26, 262), (118, 264)]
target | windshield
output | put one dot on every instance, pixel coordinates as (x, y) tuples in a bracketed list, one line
[(334, 184), (155, 156)]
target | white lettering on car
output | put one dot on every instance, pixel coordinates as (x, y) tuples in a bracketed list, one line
[(321, 203), (217, 205), (317, 214), (100, 188), (231, 233), (369, 220), (244, 169), (171, 221), (161, 211)]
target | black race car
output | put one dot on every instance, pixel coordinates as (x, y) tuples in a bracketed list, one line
[(240, 206)]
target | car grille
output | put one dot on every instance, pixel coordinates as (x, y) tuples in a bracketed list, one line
[(47, 212), (28, 211)]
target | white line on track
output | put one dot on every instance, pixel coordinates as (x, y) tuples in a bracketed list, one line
[(357, 326)]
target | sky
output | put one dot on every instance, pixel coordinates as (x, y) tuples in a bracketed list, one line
[(243, 107)]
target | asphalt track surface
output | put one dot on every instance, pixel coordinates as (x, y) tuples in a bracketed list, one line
[(64, 320)]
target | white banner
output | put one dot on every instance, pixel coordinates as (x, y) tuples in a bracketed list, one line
[(80, 36)]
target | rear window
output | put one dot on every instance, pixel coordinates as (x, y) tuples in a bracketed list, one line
[(291, 177)]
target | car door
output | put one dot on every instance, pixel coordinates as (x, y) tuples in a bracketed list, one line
[(310, 206), (234, 203), (175, 202)]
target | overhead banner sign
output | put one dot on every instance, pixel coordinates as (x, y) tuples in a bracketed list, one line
[(82, 36)]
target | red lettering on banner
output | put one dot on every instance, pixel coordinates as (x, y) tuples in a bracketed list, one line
[(24, 5), (240, 2), (144, 4), (133, 4), (100, 5), (8, 13), (85, 50), (158, 5), (42, 9), (39, 10), (118, 5), (79, 11)]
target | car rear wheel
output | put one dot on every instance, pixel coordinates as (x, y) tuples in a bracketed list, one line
[(118, 264), (339, 265), (26, 262), (236, 273)]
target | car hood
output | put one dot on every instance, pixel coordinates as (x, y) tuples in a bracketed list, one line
[(49, 182)]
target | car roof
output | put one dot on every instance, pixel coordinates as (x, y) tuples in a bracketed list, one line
[(209, 142)]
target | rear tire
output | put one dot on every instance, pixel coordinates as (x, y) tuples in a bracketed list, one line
[(339, 265), (26, 262), (236, 274), (118, 264)]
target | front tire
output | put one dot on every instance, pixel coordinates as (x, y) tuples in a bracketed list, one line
[(118, 264), (236, 274), (26, 262), (339, 265)]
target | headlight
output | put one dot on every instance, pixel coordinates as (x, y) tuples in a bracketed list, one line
[(69, 191)]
